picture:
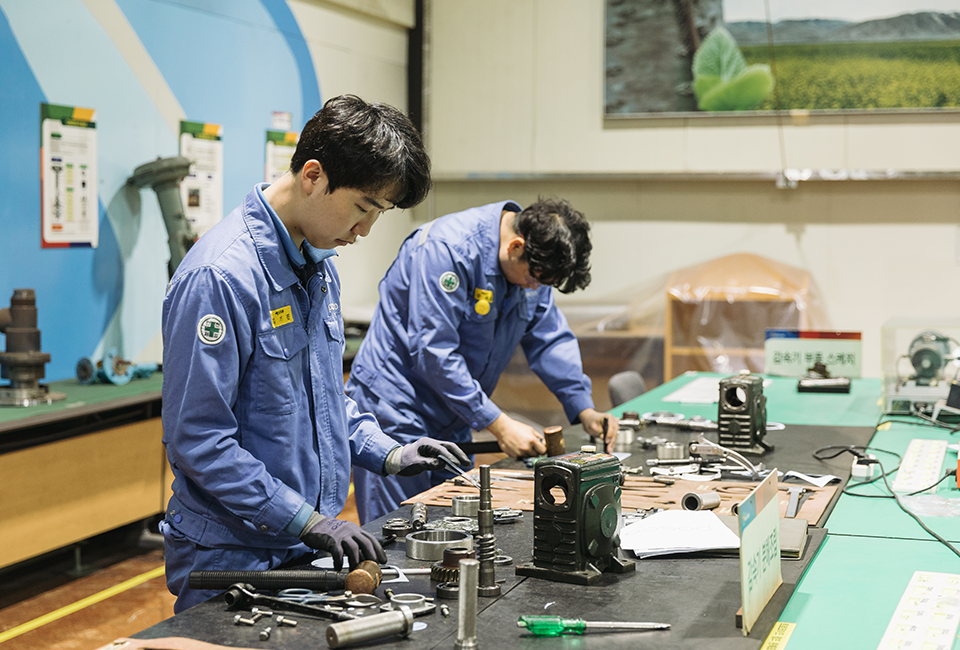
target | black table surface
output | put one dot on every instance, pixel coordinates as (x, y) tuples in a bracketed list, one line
[(698, 596)]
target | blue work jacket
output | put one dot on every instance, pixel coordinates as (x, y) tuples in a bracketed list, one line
[(446, 326), (255, 419)]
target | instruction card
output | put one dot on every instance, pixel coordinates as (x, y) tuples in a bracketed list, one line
[(791, 353), (927, 616), (759, 549), (69, 207)]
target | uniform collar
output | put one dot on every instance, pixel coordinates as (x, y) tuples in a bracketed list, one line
[(492, 263), (278, 254)]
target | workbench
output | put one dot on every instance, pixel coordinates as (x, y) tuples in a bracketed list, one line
[(841, 593), (81, 466)]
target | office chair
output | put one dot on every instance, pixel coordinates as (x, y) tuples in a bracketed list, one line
[(626, 385)]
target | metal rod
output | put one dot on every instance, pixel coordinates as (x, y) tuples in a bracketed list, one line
[(467, 605)]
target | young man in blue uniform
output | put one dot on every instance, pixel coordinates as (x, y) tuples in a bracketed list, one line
[(464, 291), (258, 430)]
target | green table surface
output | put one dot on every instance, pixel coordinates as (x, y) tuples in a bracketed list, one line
[(881, 517), (851, 590), (81, 398), (861, 407)]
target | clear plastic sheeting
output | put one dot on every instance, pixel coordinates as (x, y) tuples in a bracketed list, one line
[(718, 312), (709, 317), (932, 505)]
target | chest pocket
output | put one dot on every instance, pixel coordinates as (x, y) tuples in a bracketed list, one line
[(477, 335), (280, 383), (334, 327)]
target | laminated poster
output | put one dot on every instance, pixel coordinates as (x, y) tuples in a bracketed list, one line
[(69, 209), (280, 148), (202, 189)]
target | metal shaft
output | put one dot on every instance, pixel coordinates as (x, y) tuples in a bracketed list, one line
[(467, 604), (625, 625), (418, 515), (486, 541), (348, 633)]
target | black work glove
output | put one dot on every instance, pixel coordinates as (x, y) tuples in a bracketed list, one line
[(425, 454), (339, 538)]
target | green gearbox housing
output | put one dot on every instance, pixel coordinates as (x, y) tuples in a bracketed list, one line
[(576, 519)]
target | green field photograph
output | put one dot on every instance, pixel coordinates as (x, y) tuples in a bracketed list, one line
[(721, 56)]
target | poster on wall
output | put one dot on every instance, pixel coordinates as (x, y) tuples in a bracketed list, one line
[(202, 189), (69, 212), (280, 148), (693, 57)]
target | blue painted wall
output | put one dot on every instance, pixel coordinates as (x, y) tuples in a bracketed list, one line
[(230, 63)]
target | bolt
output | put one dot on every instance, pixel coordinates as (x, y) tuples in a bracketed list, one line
[(388, 592), (265, 634), (289, 622), (240, 620), (445, 610), (260, 613)]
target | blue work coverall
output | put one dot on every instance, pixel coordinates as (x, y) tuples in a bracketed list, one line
[(445, 328), (256, 423)]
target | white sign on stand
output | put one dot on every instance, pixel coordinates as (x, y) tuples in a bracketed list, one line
[(759, 549)]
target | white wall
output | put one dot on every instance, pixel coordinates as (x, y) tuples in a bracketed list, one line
[(515, 109), (360, 47)]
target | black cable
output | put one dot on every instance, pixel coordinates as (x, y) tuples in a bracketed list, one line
[(855, 450), (930, 487), (915, 517)]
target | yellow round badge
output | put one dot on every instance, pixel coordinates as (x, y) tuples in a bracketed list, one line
[(482, 307)]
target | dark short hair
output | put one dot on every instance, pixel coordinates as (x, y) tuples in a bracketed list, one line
[(557, 244), (370, 147)]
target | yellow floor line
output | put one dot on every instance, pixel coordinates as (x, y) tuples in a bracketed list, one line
[(80, 604)]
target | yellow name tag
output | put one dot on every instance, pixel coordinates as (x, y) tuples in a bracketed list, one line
[(480, 294), (281, 316)]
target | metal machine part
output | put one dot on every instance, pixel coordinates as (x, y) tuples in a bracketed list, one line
[(418, 604), (448, 590), (465, 505), (463, 524), (315, 579), (467, 604), (164, 176), (704, 447), (448, 569), (429, 544), (240, 596), (671, 451), (697, 501), (113, 369), (396, 527), (349, 633), (486, 540), (576, 519), (929, 352), (23, 362), (742, 414), (418, 515)]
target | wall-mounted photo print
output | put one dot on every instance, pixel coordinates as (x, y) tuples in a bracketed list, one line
[(710, 56)]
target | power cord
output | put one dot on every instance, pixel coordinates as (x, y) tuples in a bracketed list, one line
[(860, 452)]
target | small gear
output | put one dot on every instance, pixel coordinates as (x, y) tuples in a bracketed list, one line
[(448, 569), (440, 573)]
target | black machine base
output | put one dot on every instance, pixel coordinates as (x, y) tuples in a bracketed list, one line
[(587, 577)]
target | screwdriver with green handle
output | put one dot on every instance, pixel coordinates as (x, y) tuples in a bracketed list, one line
[(555, 626)]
